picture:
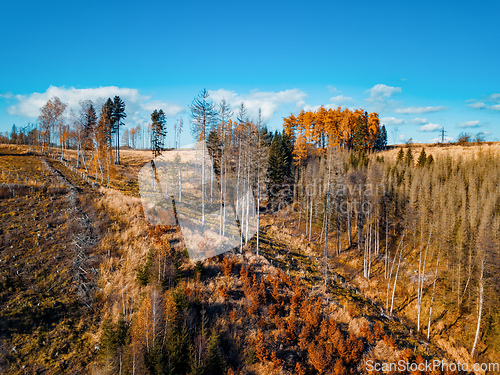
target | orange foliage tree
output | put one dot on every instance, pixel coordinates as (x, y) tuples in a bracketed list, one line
[(315, 131)]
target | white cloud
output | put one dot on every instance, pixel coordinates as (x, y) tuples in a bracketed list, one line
[(314, 108), (137, 106), (439, 139), (420, 110), (469, 124), (380, 92), (477, 105), (490, 102), (268, 101), (336, 101), (495, 97), (7, 95), (332, 89), (170, 109), (401, 137), (29, 105), (418, 121), (430, 128), (391, 121)]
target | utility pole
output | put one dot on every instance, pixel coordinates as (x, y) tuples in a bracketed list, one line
[(442, 135)]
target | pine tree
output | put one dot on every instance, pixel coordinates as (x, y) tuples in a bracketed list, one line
[(360, 135), (158, 132), (13, 135), (430, 160), (277, 162), (215, 363), (409, 157), (242, 113), (117, 114), (204, 117), (401, 156), (422, 159), (214, 146), (203, 114), (381, 141), (266, 137)]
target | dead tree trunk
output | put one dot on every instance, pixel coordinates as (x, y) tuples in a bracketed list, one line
[(480, 309), (432, 297)]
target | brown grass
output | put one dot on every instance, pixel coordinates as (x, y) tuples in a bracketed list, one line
[(452, 150)]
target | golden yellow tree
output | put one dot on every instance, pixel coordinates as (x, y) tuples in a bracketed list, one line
[(373, 129), (290, 125), (300, 150)]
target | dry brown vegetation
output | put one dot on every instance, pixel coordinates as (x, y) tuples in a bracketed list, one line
[(48, 270), (140, 305), (442, 150)]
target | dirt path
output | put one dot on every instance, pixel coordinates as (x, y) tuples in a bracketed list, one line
[(84, 270)]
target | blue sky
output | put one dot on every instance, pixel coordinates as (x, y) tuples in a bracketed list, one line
[(421, 66)]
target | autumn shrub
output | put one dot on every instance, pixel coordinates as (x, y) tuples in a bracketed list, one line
[(366, 332), (276, 361), (227, 266), (390, 341), (222, 289), (261, 350), (317, 357)]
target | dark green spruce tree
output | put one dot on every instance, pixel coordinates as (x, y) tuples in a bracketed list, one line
[(401, 156), (359, 143), (277, 161), (381, 140), (280, 167), (158, 133), (118, 114), (409, 157), (422, 159), (214, 146)]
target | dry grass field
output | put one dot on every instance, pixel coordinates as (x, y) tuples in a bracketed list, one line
[(452, 150)]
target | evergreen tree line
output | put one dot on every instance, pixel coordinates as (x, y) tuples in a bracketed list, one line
[(26, 135)]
